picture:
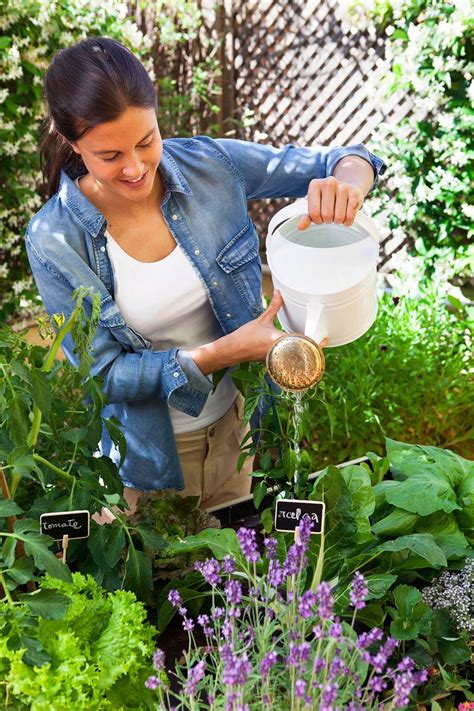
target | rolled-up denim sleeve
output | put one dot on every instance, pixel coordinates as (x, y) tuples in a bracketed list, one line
[(269, 172), (126, 375)]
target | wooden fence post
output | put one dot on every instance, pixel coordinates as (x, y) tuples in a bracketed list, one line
[(225, 36)]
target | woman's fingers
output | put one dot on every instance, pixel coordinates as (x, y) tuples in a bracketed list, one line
[(331, 200)]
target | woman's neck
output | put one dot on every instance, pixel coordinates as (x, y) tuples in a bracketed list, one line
[(111, 203)]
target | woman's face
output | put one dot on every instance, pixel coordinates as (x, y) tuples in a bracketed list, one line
[(119, 152)]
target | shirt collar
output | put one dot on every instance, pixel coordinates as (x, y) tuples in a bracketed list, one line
[(89, 215)]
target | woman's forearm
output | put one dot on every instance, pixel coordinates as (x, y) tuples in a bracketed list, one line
[(222, 353), (355, 170)]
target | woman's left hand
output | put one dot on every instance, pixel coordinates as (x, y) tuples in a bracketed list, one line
[(332, 200)]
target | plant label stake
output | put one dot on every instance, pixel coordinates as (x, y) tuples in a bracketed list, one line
[(290, 512), (66, 525)]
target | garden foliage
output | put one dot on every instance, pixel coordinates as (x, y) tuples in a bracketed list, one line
[(428, 55), (32, 32), (73, 645)]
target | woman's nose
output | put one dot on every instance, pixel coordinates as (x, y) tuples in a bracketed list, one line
[(133, 168)]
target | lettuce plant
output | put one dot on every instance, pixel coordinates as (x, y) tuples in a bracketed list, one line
[(73, 645)]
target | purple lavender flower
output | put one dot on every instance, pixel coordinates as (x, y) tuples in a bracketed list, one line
[(188, 625), (328, 696), (275, 575), (204, 621), (377, 684), (152, 682), (217, 613), (209, 570), (271, 547), (159, 659), (368, 638), (295, 559), (228, 564), (305, 527), (306, 604), (359, 591), (248, 544), (268, 661), (174, 598), (233, 590), (318, 665), (298, 655), (236, 671), (336, 668), (336, 630), (194, 677), (406, 664), (300, 689), (325, 601), (403, 685)]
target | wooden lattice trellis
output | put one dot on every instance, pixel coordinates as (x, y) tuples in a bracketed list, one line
[(290, 71), (303, 77)]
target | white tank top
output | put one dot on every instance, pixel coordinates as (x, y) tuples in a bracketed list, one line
[(165, 302)]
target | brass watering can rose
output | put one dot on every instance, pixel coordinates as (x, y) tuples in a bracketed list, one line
[(295, 362)]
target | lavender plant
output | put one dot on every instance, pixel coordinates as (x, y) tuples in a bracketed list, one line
[(454, 592), (270, 645)]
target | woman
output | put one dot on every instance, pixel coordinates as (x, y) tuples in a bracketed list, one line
[(159, 228)]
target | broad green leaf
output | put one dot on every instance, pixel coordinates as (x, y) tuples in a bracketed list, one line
[(454, 652), (465, 517), (22, 570), (411, 617), (8, 551), (397, 522), (259, 493), (340, 523), (422, 495), (9, 508), (74, 434), (408, 460), (22, 463), (421, 544), (379, 584), (97, 542), (151, 538), (36, 545), (445, 530), (115, 544), (41, 391), (363, 500), (138, 573), (190, 590), (220, 541), (49, 604), (17, 417)]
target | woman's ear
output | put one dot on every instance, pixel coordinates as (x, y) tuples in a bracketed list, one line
[(75, 148)]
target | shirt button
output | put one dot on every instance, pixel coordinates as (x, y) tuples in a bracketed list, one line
[(212, 432), (176, 374), (197, 252), (174, 217), (102, 249), (215, 283), (228, 315)]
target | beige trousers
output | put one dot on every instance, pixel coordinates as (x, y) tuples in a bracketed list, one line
[(209, 459)]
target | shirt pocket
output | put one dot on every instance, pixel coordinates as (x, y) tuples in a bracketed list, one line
[(111, 318), (241, 261)]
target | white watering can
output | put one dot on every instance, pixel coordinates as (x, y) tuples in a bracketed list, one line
[(327, 275)]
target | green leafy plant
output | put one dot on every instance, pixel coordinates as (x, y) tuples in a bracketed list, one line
[(73, 645), (32, 32), (48, 458), (428, 53), (404, 379)]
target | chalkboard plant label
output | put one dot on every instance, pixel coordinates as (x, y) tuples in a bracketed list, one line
[(290, 512), (74, 524)]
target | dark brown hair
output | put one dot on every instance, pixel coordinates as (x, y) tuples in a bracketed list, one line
[(89, 83)]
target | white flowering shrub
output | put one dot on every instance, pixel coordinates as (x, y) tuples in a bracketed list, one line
[(429, 51), (32, 31)]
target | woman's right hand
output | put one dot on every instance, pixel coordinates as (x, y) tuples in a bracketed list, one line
[(254, 339)]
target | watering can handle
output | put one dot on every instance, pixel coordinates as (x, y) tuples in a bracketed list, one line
[(300, 207)]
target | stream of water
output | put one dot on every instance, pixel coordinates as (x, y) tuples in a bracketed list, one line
[(298, 408)]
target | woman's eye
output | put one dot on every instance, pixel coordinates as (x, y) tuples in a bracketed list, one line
[(144, 145)]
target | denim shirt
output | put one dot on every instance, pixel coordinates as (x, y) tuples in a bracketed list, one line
[(207, 184)]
